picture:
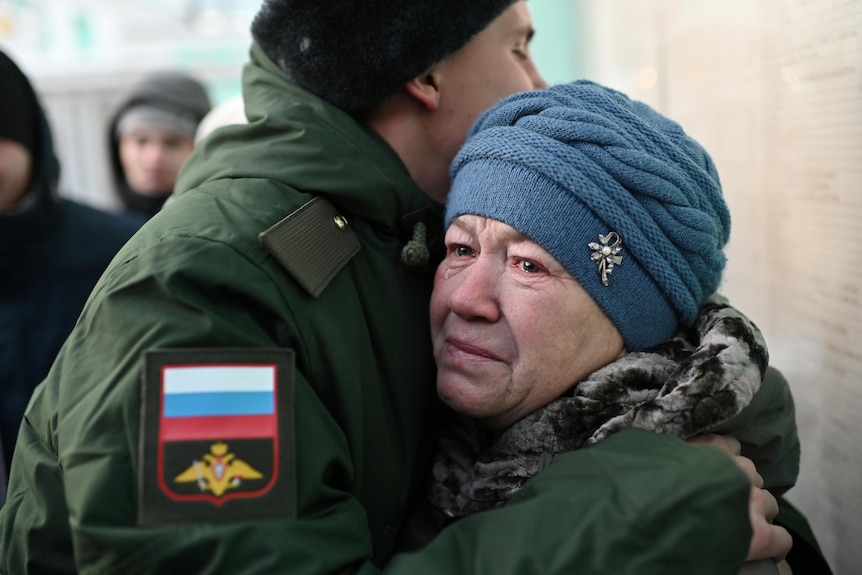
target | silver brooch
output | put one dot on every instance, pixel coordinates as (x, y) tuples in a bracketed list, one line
[(605, 254)]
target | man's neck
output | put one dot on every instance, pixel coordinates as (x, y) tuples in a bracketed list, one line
[(402, 122)]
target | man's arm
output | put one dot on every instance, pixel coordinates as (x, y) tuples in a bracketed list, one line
[(766, 431), (767, 434), (640, 503), (637, 503)]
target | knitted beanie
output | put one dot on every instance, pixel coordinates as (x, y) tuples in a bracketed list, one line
[(18, 118), (147, 116), (178, 95), (616, 192), (355, 53)]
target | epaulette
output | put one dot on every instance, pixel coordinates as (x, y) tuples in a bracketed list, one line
[(313, 244)]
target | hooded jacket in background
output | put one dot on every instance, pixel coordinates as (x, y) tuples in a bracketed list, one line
[(52, 252), (173, 92)]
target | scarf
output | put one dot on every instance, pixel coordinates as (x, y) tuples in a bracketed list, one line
[(700, 378)]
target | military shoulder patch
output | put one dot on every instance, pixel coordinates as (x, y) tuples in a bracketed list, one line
[(217, 439), (313, 244)]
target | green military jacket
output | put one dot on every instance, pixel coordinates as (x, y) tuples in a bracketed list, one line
[(105, 481)]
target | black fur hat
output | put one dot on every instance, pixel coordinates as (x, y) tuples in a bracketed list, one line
[(354, 53)]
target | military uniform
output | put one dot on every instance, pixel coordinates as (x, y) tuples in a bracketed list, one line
[(280, 266)]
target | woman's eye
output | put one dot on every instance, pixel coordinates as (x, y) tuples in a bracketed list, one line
[(462, 251), (520, 53), (529, 267)]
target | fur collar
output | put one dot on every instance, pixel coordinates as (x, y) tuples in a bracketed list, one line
[(699, 379)]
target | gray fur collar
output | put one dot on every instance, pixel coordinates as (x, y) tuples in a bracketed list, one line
[(699, 379)]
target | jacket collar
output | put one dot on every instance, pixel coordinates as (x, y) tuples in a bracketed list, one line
[(288, 128)]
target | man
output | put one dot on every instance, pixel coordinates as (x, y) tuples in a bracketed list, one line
[(251, 388), (52, 251), (151, 134)]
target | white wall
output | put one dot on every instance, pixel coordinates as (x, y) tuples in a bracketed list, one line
[(773, 88)]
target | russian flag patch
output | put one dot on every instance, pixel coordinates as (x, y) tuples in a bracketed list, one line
[(217, 436)]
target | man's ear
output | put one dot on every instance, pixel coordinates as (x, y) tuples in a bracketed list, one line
[(426, 88)]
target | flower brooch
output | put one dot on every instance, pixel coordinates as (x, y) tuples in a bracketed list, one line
[(605, 254)]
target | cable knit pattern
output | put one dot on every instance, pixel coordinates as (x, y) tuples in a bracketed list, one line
[(565, 164), (695, 381)]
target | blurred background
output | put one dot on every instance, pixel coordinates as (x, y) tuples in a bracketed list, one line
[(773, 88)]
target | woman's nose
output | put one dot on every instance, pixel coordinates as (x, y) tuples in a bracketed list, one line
[(474, 295)]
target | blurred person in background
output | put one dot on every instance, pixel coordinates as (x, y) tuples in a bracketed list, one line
[(151, 135), (251, 388), (52, 250)]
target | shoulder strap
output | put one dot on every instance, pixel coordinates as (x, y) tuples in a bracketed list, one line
[(313, 244)]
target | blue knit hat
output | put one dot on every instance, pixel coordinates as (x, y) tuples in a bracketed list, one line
[(619, 194)]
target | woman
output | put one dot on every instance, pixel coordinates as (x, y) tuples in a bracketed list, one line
[(584, 248)]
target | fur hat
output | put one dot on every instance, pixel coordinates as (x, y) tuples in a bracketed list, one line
[(18, 118), (353, 54), (619, 194)]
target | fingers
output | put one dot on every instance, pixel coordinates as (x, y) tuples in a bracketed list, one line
[(732, 447), (767, 541), (750, 470), (726, 443), (764, 503), (773, 542)]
